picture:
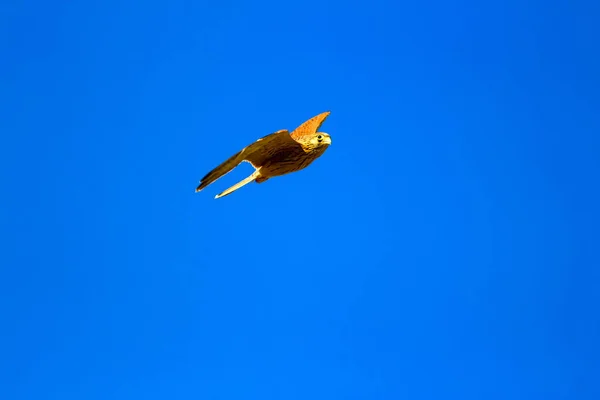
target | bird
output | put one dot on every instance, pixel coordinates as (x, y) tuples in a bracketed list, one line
[(276, 154)]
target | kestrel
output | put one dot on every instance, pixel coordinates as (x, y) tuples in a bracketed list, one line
[(276, 154)]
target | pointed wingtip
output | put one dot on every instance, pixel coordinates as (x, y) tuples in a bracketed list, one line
[(310, 126)]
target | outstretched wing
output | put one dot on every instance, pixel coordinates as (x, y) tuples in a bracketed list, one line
[(256, 153), (311, 126), (259, 152)]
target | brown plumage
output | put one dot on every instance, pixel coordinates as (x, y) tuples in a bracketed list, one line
[(276, 154)]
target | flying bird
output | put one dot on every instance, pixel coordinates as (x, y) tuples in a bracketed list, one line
[(276, 154)]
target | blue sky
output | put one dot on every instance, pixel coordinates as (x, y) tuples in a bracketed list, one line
[(444, 247)]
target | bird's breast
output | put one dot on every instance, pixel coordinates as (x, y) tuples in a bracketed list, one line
[(284, 161)]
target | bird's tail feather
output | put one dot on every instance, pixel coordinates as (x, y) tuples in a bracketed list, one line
[(239, 185), (223, 168)]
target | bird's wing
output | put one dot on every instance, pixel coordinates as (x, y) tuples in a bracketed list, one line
[(256, 154), (264, 148), (311, 126)]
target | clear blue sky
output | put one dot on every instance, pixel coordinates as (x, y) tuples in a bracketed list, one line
[(444, 247)]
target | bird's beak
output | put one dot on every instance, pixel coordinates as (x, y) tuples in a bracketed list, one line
[(327, 139)]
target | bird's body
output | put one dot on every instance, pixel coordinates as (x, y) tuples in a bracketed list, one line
[(276, 154)]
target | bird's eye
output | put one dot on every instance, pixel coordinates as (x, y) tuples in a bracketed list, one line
[(320, 137)]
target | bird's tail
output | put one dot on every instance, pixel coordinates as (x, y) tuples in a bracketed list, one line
[(224, 168), (239, 185)]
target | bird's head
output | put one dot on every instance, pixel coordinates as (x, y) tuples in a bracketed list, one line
[(318, 140)]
